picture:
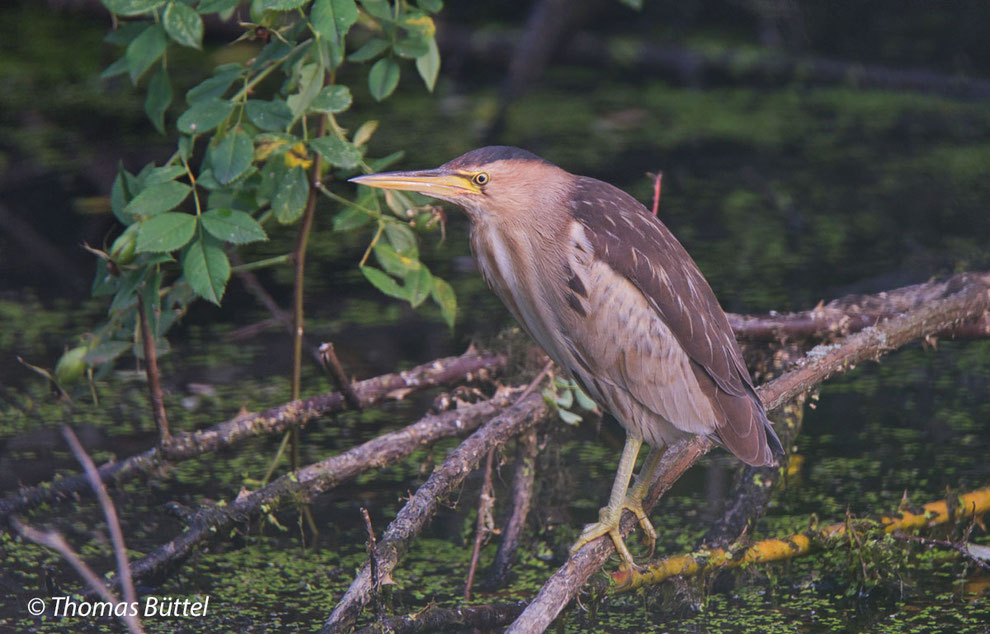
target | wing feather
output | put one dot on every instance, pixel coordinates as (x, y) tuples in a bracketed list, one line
[(639, 248)]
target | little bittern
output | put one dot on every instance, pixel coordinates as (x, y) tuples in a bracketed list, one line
[(614, 299)]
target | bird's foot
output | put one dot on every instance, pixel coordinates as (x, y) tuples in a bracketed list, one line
[(608, 524)]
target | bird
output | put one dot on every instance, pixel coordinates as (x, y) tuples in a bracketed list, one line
[(617, 303)]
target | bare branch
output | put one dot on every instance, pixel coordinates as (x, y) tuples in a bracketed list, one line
[(467, 367), (423, 505), (210, 523), (151, 369), (109, 511), (54, 541), (522, 496), (485, 502)]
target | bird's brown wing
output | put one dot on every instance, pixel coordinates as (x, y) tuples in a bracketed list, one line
[(625, 236)]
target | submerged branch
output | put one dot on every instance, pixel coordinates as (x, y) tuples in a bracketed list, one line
[(522, 496), (211, 523), (467, 367), (961, 298), (967, 505), (433, 618), (424, 504), (751, 495)]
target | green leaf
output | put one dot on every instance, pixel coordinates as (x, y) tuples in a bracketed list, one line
[(231, 225), (565, 398), (184, 25), (432, 6), (379, 164), (270, 116), (232, 156), (145, 50), (158, 99), (337, 152), (350, 218), (207, 268), (418, 285), (166, 232), (443, 295), (402, 238), (132, 7), (380, 9), (429, 65), (125, 33), (106, 351), (203, 116), (119, 197), (215, 86), (119, 67), (411, 47), (164, 174), (583, 400), (569, 417), (129, 281), (310, 80), (332, 19), (291, 193), (384, 283), (371, 49), (394, 263), (332, 99), (383, 78), (155, 199), (217, 6), (282, 5)]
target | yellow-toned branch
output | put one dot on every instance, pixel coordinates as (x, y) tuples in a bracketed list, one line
[(966, 505)]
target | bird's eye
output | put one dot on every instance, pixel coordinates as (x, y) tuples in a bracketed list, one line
[(480, 179)]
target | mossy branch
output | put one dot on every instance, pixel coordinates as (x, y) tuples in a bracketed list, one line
[(967, 505)]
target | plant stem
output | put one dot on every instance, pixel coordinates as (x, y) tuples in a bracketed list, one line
[(151, 369), (260, 264), (300, 274)]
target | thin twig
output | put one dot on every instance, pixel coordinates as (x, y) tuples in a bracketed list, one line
[(376, 583), (962, 549), (329, 360), (485, 501), (109, 511), (522, 495), (657, 184), (151, 368), (299, 257), (55, 541)]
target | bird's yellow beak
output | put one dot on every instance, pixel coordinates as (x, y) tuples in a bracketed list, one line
[(438, 183)]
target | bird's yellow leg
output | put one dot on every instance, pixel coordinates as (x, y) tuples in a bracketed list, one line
[(634, 499), (609, 516)]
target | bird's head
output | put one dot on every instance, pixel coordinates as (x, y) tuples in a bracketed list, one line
[(491, 182)]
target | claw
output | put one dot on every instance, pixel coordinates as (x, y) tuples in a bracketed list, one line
[(608, 524)]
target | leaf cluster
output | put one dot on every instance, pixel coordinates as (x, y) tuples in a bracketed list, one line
[(256, 144)]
